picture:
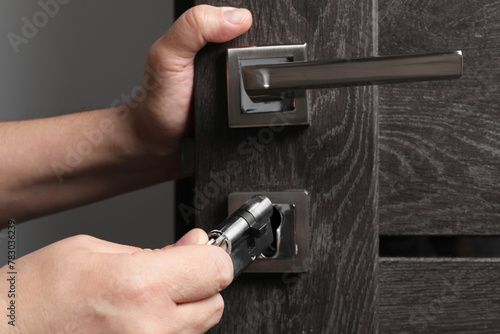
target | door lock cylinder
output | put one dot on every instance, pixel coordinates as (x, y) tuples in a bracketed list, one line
[(246, 233)]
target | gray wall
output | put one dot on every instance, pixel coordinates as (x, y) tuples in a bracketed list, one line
[(83, 57)]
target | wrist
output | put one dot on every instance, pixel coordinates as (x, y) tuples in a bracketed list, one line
[(141, 144)]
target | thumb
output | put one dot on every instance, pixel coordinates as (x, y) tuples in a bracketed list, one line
[(194, 237), (198, 26)]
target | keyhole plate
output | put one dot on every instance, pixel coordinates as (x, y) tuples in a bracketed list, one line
[(289, 108), (292, 245)]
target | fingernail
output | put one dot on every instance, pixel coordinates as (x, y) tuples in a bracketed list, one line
[(189, 238), (235, 16)]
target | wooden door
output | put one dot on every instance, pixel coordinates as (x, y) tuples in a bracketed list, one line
[(439, 147), (336, 159)]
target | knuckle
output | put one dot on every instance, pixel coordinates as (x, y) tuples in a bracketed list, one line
[(141, 292), (179, 290), (218, 310), (196, 16), (134, 289), (212, 315), (80, 240), (198, 327), (205, 320), (155, 53), (163, 60)]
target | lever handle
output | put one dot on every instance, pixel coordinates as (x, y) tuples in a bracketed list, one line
[(276, 78), (266, 85)]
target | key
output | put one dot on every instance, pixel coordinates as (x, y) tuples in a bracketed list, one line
[(246, 233)]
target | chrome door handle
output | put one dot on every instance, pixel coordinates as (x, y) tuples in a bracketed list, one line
[(268, 83), (276, 78)]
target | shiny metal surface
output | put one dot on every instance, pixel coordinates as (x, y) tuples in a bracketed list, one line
[(260, 207), (234, 227), (246, 233), (299, 75), (219, 239), (285, 244), (232, 230), (283, 109), (266, 84), (292, 244)]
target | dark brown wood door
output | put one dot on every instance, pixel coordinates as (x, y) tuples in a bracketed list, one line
[(425, 183)]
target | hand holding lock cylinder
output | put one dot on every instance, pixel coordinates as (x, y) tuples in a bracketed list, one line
[(246, 233)]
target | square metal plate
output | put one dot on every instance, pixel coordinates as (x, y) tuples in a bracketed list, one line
[(286, 261), (289, 109)]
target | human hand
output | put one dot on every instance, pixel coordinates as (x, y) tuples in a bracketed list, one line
[(59, 163), (86, 285), (163, 111)]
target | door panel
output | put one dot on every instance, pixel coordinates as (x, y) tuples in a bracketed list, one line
[(439, 163), (439, 295), (333, 159), (440, 141), (440, 168)]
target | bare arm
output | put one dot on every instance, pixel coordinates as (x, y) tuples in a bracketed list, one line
[(58, 163), (52, 164), (83, 283)]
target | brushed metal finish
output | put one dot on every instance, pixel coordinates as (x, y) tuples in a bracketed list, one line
[(299, 75), (293, 242), (245, 112)]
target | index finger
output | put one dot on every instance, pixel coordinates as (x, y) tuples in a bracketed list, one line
[(197, 272)]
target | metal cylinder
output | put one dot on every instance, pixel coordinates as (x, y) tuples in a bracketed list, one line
[(255, 211), (259, 206)]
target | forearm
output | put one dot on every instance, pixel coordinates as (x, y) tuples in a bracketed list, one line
[(58, 163), (53, 164)]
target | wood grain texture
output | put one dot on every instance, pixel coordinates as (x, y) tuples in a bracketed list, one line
[(334, 159), (439, 296), (440, 141)]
